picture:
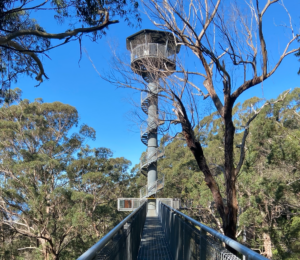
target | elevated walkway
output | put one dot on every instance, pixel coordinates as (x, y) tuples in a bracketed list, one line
[(165, 234), (153, 243)]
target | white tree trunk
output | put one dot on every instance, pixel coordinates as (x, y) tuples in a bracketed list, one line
[(267, 245)]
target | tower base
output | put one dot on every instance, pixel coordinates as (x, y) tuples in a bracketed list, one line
[(151, 204)]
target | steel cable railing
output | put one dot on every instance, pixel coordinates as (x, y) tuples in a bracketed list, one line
[(123, 241), (186, 241)]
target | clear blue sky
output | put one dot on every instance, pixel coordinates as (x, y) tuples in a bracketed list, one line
[(104, 107)]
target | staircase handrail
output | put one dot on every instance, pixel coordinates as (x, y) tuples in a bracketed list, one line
[(148, 126), (151, 186), (144, 96), (148, 94), (148, 158)]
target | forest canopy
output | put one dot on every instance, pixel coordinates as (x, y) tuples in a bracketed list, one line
[(58, 195), (269, 181), (236, 167)]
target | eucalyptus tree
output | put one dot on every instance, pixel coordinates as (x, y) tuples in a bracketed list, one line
[(268, 186), (269, 181), (56, 193), (23, 41), (227, 40)]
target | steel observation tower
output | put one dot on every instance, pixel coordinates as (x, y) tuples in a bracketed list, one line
[(153, 56), (161, 232)]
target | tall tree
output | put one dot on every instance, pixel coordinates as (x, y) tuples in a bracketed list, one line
[(268, 187), (57, 195)]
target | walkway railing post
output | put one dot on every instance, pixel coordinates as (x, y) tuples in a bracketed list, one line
[(128, 242), (203, 244)]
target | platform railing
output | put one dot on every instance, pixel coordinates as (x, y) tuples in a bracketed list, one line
[(190, 239), (123, 241), (129, 204), (152, 50)]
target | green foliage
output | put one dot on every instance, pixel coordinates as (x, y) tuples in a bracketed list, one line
[(268, 184), (57, 196), (23, 40)]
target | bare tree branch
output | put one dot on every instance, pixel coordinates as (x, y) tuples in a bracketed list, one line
[(8, 38), (33, 56)]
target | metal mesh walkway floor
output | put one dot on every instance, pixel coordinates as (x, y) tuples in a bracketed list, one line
[(153, 244)]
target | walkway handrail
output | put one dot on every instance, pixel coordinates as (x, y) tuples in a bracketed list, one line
[(92, 252), (250, 254)]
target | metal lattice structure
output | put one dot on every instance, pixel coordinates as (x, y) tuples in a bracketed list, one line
[(153, 50), (173, 203), (156, 49), (190, 239), (148, 158)]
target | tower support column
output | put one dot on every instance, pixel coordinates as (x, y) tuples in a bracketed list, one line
[(152, 137)]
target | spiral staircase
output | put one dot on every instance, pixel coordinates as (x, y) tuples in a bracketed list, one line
[(149, 158), (152, 189)]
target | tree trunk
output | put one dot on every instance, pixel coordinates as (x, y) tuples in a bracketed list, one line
[(197, 151), (267, 245), (229, 225), (230, 178), (229, 213), (45, 250)]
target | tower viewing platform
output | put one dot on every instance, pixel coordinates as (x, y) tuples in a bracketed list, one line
[(152, 50)]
